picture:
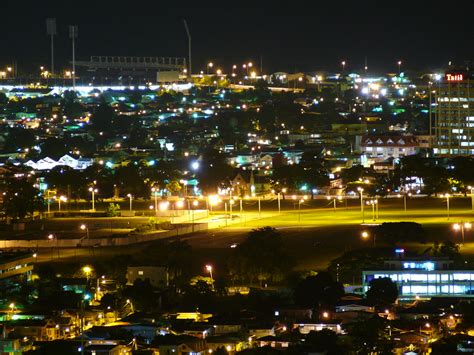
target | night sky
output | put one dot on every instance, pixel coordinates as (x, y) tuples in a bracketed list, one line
[(303, 38)]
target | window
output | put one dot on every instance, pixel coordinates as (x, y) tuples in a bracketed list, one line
[(140, 272)]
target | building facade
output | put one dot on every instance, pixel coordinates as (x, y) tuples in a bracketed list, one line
[(453, 128), (424, 278)]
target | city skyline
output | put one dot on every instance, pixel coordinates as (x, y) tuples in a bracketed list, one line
[(318, 40)]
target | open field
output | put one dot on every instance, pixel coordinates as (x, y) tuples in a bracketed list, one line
[(313, 237)]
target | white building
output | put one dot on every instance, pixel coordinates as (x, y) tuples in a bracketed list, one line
[(378, 148)]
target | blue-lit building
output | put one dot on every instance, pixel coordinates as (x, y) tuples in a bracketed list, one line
[(424, 277)]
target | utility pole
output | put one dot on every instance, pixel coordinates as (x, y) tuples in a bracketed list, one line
[(189, 47), (73, 36), (51, 31)]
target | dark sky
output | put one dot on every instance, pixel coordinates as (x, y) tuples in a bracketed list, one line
[(303, 37)]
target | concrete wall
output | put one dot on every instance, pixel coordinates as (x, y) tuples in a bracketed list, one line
[(105, 241)]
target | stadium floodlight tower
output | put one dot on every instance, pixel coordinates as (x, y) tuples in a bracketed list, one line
[(51, 31), (189, 46), (73, 36)]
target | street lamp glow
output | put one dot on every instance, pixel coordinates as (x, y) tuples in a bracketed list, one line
[(87, 270), (195, 165), (164, 205), (83, 226), (213, 200), (179, 204), (365, 235)]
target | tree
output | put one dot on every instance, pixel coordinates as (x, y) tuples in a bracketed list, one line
[(324, 341), (382, 290), (213, 171), (113, 210), (173, 187), (102, 117), (319, 290), (370, 336), (261, 257), (21, 199)]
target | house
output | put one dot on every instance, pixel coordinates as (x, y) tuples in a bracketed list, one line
[(262, 329), (272, 341), (35, 329), (157, 275), (378, 148), (179, 345), (107, 349), (230, 343), (306, 327)]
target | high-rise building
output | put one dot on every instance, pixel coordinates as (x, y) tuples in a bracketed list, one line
[(453, 127)]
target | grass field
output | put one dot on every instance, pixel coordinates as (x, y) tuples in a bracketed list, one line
[(318, 234)]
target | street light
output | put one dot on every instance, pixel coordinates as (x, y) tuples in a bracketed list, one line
[(462, 227), (130, 197), (399, 66), (155, 194), (361, 191), (61, 198), (373, 203), (447, 196), (366, 235), (343, 63), (472, 197), (93, 191), (164, 205), (209, 65), (299, 209), (209, 270), (87, 270), (84, 227)]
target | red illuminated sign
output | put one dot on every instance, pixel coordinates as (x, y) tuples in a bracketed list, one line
[(454, 77)]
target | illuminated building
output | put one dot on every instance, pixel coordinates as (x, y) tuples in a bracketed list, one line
[(424, 278), (378, 148), (453, 128)]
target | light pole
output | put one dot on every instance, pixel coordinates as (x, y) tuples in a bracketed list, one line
[(462, 227), (299, 209), (130, 197), (51, 31), (93, 191), (343, 63), (361, 191), (374, 204), (51, 238), (472, 197), (61, 198), (188, 33), (399, 67), (279, 203), (405, 200), (209, 65), (84, 227), (259, 207), (155, 194), (209, 270), (73, 36), (447, 204), (366, 235)]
